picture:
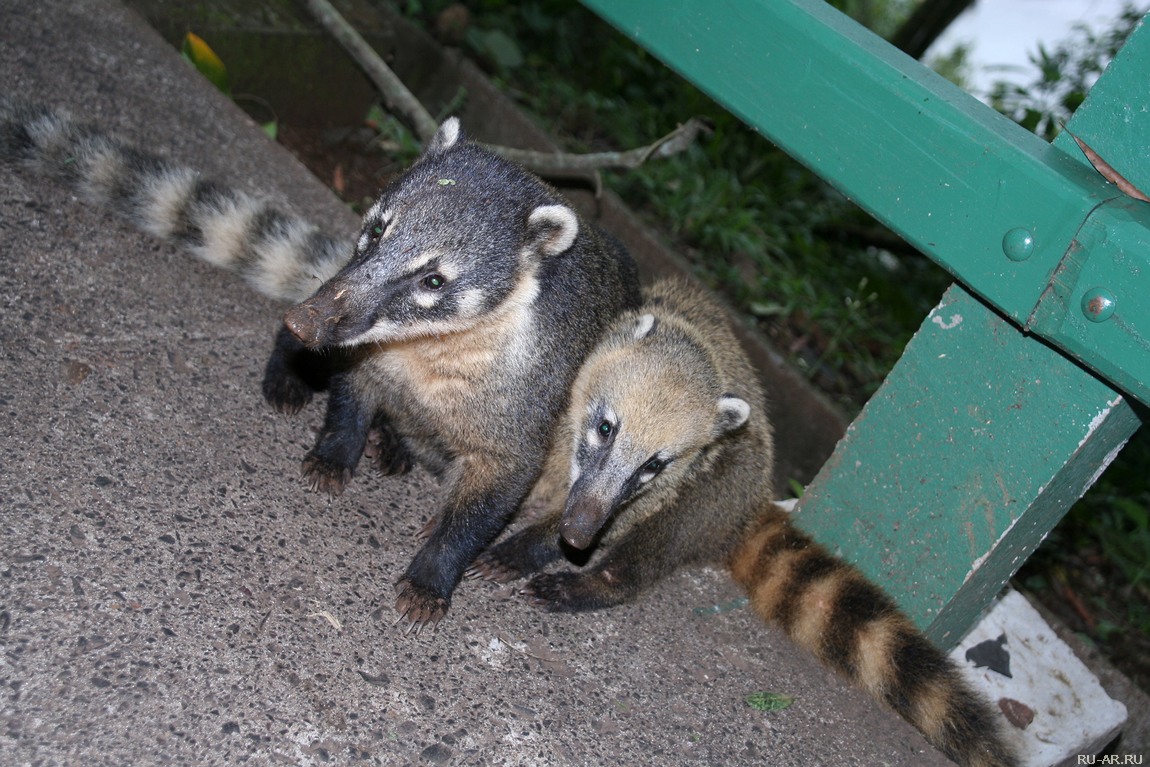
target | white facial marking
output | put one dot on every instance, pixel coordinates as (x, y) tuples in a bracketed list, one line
[(448, 270), (379, 217), (469, 302)]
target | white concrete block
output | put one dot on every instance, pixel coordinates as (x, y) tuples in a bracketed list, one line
[(1072, 715)]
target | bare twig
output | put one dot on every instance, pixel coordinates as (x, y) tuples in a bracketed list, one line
[(402, 101), (560, 163), (394, 92)]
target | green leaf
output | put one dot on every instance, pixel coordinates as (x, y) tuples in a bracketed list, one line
[(770, 701)]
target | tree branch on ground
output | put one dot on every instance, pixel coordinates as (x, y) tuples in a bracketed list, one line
[(407, 108)]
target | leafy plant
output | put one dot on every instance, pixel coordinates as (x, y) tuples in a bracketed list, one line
[(201, 56), (1066, 72), (770, 701)]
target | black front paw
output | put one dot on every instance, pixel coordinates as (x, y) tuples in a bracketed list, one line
[(293, 374), (325, 477), (418, 605), (562, 592), (387, 449), (489, 567), (286, 393)]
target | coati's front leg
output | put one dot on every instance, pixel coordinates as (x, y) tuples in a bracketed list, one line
[(330, 464), (483, 496), (340, 445), (525, 552), (387, 448), (647, 553), (290, 374)]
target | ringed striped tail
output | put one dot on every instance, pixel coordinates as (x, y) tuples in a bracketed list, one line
[(828, 608), (277, 253)]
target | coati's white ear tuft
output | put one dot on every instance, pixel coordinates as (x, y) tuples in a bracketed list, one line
[(551, 229), (732, 412), (446, 137), (644, 327)]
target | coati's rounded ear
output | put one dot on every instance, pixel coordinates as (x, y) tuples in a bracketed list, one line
[(731, 413), (644, 327), (551, 229), (446, 137)]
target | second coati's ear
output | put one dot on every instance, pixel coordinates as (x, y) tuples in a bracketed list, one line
[(731, 412), (551, 229), (644, 327), (446, 137)]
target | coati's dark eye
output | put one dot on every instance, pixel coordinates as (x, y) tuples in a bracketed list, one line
[(376, 232), (605, 428), (434, 281), (654, 466), (651, 469)]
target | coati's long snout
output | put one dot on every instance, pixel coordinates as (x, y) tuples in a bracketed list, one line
[(337, 314), (583, 518), (314, 321)]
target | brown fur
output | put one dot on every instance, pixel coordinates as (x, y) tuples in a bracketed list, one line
[(667, 381)]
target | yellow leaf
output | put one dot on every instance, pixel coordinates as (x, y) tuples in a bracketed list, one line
[(205, 60)]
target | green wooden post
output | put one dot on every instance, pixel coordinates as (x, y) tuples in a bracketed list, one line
[(982, 436)]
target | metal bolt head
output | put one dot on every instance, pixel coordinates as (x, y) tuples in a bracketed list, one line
[(1098, 304), (1018, 244)]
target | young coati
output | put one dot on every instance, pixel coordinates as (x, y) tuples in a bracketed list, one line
[(664, 459), (463, 312)]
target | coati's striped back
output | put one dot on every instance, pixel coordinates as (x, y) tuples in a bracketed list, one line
[(831, 610), (277, 253)]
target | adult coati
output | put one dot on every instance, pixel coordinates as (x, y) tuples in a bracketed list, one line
[(464, 312), (664, 459), (475, 293)]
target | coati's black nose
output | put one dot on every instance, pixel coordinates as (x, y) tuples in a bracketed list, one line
[(313, 321), (582, 520)]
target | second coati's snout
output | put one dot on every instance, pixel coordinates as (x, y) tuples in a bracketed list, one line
[(583, 518)]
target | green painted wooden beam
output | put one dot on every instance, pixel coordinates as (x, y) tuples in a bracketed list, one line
[(995, 205), (973, 448), (982, 436)]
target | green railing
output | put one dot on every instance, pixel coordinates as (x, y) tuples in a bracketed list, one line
[(1015, 392)]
